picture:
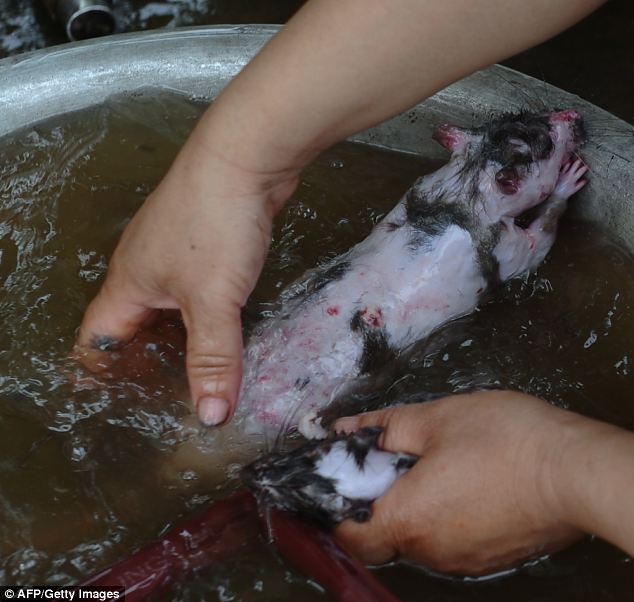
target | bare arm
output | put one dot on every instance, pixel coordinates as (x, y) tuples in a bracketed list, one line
[(339, 66), (597, 483)]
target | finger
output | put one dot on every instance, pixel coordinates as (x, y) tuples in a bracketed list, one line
[(406, 428), (380, 418), (370, 542), (214, 358), (110, 321)]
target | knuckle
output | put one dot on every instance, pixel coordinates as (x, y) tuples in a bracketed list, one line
[(210, 364)]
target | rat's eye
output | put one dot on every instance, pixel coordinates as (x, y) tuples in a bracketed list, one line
[(507, 180)]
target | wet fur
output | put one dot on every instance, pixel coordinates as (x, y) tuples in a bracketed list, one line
[(290, 481)]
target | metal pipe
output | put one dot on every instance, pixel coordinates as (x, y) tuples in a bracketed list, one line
[(83, 19)]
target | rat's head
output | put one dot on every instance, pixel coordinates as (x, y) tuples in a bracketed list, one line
[(512, 163)]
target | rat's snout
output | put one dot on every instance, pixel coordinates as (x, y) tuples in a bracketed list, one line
[(569, 116)]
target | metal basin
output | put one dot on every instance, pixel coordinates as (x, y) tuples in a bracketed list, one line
[(201, 61)]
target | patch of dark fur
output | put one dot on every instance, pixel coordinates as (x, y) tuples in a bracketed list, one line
[(484, 243), (356, 323), (287, 480), (376, 350), (365, 440), (433, 216), (531, 128), (579, 132)]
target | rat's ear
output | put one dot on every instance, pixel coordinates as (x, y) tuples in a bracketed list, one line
[(452, 137)]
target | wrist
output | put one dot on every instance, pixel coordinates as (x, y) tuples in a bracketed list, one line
[(594, 479), (235, 165), (254, 138)]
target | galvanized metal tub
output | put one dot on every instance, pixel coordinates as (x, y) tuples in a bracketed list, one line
[(200, 61)]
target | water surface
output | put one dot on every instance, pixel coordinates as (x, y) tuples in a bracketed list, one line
[(81, 483)]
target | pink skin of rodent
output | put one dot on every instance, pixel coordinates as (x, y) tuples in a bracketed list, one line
[(394, 291)]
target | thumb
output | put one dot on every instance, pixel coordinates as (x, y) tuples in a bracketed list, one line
[(110, 320), (214, 358), (406, 428)]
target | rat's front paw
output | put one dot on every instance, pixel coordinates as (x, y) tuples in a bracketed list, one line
[(571, 179)]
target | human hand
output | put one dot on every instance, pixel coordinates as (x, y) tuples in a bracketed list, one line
[(198, 245), (485, 494)]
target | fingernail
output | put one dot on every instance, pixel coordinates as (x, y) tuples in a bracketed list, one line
[(212, 411), (106, 343)]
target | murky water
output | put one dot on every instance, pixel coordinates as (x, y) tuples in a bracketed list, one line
[(80, 478)]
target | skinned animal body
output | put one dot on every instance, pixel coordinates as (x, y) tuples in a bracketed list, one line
[(452, 237)]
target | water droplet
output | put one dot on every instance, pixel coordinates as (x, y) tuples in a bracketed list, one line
[(189, 475), (591, 340)]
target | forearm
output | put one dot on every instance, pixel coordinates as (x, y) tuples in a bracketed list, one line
[(597, 483), (339, 67)]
